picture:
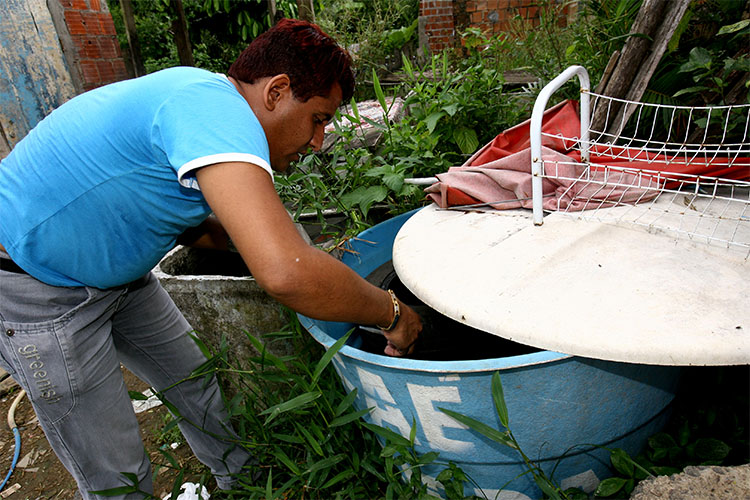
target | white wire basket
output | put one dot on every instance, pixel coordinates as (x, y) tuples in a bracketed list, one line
[(683, 171)]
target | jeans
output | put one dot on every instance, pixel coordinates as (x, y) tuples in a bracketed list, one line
[(64, 346)]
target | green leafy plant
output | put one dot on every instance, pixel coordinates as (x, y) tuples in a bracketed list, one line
[(711, 75), (169, 433), (376, 33), (443, 125), (627, 474), (294, 415), (506, 438), (710, 51), (249, 18), (601, 28)]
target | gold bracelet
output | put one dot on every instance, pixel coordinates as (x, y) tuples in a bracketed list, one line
[(396, 312)]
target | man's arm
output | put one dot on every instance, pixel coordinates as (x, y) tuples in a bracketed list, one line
[(296, 274), (209, 234)]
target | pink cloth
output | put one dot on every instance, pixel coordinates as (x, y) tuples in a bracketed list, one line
[(499, 174), (506, 183)]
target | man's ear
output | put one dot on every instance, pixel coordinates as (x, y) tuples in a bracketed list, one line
[(276, 89)]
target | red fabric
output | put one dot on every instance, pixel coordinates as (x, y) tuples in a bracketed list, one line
[(499, 174), (560, 119)]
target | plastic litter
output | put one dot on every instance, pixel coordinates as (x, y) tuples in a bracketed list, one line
[(146, 404), (189, 491)]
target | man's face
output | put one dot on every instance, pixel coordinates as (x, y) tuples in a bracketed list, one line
[(299, 126)]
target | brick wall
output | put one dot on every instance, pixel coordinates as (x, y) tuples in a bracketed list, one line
[(442, 21), (438, 23), (88, 34)]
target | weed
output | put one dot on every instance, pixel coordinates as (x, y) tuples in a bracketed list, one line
[(169, 433), (302, 427)]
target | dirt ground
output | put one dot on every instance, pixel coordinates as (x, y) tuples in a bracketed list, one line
[(39, 475)]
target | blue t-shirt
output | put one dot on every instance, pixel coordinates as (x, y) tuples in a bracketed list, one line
[(100, 189)]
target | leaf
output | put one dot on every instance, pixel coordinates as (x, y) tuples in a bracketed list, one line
[(610, 486), (394, 181), (413, 431), (406, 64), (482, 428), (292, 404), (700, 57), (172, 408), (341, 476), (389, 491), (428, 457), (379, 92), (113, 492), (387, 434), (372, 470), (201, 345), (389, 450), (432, 119), (372, 195), (451, 109), (445, 475), (622, 462), (575, 494), (284, 459), (375, 124), (261, 348), (171, 424), (711, 449), (269, 485), (355, 111), (466, 139), (498, 397), (661, 440), (659, 453), (288, 438), (137, 396), (326, 463), (177, 485), (349, 417), (364, 196), (346, 402), (311, 440), (547, 488), (629, 485), (170, 458), (329, 354), (734, 28)]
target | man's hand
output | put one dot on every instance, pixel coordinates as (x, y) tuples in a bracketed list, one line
[(403, 338)]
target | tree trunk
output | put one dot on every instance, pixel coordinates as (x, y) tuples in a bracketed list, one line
[(133, 44), (649, 36), (181, 37), (306, 10)]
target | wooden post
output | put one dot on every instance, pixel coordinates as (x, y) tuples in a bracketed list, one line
[(306, 10), (652, 29), (181, 37), (133, 44)]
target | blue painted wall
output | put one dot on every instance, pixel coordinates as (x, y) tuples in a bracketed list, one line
[(34, 78)]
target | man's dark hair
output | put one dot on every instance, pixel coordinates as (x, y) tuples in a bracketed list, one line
[(313, 61)]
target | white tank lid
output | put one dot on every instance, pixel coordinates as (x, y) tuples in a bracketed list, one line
[(608, 291)]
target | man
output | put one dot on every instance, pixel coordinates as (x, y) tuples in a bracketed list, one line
[(102, 188)]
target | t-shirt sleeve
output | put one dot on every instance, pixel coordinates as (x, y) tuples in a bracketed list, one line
[(206, 123)]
